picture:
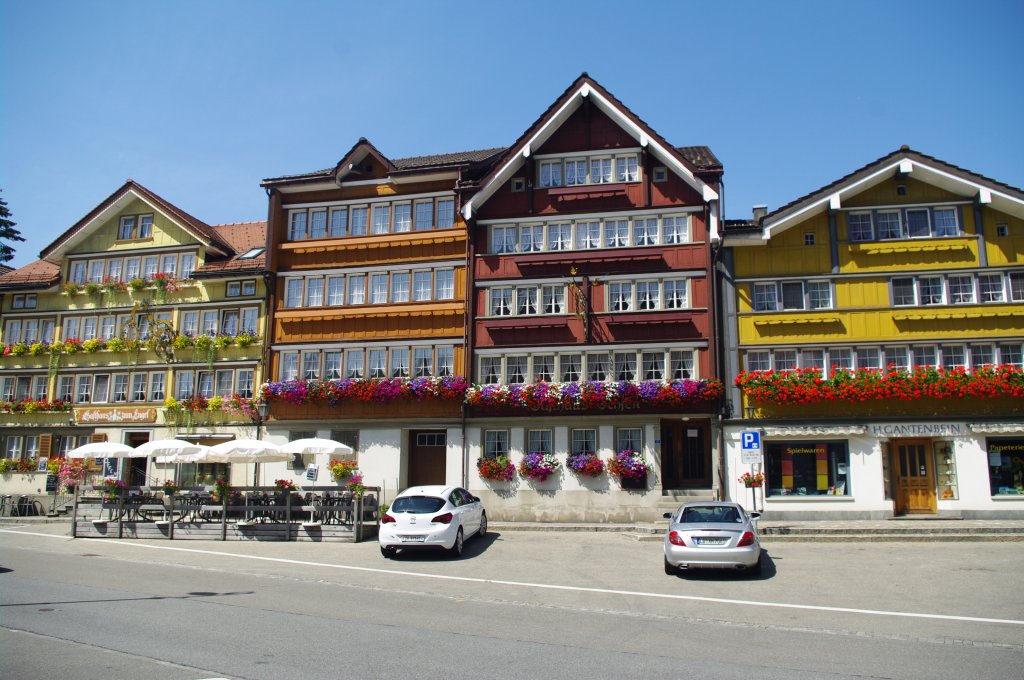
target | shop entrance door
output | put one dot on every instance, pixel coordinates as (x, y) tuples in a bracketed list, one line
[(685, 454), (136, 466), (915, 478), (427, 450)]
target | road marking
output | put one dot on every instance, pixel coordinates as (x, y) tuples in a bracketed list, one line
[(546, 586)]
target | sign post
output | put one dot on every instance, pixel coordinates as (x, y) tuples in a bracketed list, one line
[(750, 454)]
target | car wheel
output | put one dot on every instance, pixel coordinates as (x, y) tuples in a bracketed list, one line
[(387, 552), (482, 531), (456, 549), (756, 569), (669, 569)]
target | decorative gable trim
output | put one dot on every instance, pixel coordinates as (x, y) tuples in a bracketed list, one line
[(904, 162), (541, 131), (125, 195)]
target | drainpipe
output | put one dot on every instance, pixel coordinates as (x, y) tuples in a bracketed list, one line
[(468, 332), (716, 253)]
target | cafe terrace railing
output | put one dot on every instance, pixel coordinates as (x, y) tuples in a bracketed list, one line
[(262, 512)]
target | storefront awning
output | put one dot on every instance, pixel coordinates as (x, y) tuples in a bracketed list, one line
[(814, 431), (997, 428)]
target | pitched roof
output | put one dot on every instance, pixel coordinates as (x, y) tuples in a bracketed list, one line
[(38, 274), (412, 163), (685, 161), (904, 160), (200, 229), (243, 237)]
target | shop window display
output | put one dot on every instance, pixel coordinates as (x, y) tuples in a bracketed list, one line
[(807, 468), (1006, 466)]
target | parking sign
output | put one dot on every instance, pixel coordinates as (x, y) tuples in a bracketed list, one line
[(750, 446)]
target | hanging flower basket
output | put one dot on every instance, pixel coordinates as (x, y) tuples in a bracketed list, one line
[(752, 481), (499, 468), (631, 469), (585, 464), (594, 395), (538, 466)]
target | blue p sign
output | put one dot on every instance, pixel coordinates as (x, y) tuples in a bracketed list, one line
[(751, 440)]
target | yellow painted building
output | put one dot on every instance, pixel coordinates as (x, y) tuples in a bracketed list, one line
[(139, 322), (908, 265)]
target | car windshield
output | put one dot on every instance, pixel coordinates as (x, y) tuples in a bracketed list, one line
[(417, 504), (710, 514)]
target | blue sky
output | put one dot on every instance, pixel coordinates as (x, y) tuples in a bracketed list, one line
[(199, 101)]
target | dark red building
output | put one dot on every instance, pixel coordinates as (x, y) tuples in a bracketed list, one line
[(591, 298)]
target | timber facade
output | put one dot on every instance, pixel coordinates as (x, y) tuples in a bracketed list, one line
[(139, 322)]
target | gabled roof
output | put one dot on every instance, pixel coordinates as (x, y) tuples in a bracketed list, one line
[(582, 88), (904, 161), (124, 195), (243, 237), (35, 275), (363, 148)]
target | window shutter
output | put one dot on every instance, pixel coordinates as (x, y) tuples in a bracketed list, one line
[(45, 444), (102, 437)]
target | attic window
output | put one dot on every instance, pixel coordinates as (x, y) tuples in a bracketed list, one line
[(252, 253), (1002, 229), (661, 174), (809, 238), (901, 189), (518, 185)]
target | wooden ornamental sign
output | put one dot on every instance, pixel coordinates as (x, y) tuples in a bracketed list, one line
[(88, 416)]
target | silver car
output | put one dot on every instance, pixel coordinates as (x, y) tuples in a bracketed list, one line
[(431, 517), (712, 535)]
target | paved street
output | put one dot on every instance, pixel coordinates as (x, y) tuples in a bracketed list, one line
[(517, 605)]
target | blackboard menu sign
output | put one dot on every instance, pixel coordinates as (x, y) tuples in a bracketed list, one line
[(110, 466), (51, 483)]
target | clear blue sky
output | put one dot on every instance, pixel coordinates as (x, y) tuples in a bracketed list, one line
[(201, 100)]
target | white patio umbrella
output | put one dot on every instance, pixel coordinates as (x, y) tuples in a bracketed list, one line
[(312, 446), (165, 447), (203, 455), (250, 451), (101, 450)]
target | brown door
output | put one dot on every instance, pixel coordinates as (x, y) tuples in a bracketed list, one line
[(427, 457), (915, 478), (136, 466), (685, 454)]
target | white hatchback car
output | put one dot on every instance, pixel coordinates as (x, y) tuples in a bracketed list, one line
[(431, 517)]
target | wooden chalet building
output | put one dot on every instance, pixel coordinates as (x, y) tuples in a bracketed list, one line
[(592, 313), (368, 337)]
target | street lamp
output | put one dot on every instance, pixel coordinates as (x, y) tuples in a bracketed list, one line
[(262, 412)]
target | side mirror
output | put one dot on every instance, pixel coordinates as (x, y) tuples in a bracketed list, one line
[(755, 515), (667, 515)]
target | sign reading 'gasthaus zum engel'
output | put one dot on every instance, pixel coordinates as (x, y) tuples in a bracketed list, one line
[(115, 415)]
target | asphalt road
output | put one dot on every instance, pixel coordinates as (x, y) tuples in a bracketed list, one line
[(517, 605)]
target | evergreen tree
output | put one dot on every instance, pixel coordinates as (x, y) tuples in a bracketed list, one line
[(7, 233)]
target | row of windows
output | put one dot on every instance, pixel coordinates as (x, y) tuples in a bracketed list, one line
[(622, 296), (378, 218), (629, 365), (28, 446), (905, 223), (419, 285), (590, 234), (779, 295), (28, 330), (900, 357), (230, 321), (957, 289), (178, 265), (220, 383), (118, 388), (24, 301), (379, 362), (591, 169), (581, 441)]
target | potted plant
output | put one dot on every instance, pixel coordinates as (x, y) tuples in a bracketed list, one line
[(221, 490), (498, 468), (112, 488), (285, 487), (631, 469), (244, 339), (71, 288), (538, 466), (137, 284), (355, 485), (93, 289), (585, 464), (170, 487), (342, 468)]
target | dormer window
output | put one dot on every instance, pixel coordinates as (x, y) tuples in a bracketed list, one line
[(135, 227), (583, 169)]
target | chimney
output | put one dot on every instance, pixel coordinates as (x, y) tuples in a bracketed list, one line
[(759, 212)]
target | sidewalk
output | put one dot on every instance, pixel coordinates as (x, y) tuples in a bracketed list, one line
[(821, 530)]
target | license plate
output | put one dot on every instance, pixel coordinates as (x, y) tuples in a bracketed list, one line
[(710, 541), (413, 539)]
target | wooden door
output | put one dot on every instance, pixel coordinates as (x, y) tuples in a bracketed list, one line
[(915, 477), (685, 455), (136, 466), (427, 450)]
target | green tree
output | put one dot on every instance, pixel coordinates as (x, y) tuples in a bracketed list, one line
[(7, 232)]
